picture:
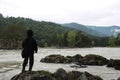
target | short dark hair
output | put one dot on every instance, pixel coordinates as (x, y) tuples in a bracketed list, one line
[(29, 33)]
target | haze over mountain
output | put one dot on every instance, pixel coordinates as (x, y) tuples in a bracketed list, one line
[(101, 31), (108, 30)]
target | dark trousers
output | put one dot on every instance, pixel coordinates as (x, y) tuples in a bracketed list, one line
[(31, 62)]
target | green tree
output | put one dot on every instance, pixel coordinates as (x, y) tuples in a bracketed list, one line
[(112, 41), (13, 35), (82, 40), (71, 38), (45, 45), (118, 40), (65, 42), (78, 39)]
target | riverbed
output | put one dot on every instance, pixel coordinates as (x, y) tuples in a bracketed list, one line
[(11, 61)]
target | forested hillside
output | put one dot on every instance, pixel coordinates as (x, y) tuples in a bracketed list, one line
[(47, 34), (84, 29), (13, 30), (101, 31), (107, 30)]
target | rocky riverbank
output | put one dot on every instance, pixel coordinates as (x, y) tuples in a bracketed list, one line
[(89, 59), (60, 74)]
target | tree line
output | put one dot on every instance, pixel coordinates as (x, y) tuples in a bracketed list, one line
[(114, 41), (47, 34), (72, 38)]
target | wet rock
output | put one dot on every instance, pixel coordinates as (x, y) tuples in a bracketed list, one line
[(92, 59), (33, 75), (111, 63), (118, 78), (74, 75), (43, 77), (77, 59), (114, 63), (60, 74), (25, 75), (54, 59), (117, 67), (92, 77), (61, 59), (83, 77)]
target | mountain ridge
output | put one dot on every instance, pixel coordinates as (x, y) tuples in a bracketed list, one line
[(101, 31)]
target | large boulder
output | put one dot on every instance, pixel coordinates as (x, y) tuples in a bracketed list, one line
[(83, 77), (92, 77), (54, 59), (74, 75), (118, 78), (33, 75), (61, 59), (114, 63), (78, 59), (111, 63), (92, 59), (89, 59), (60, 74)]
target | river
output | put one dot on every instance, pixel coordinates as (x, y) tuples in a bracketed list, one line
[(11, 61)]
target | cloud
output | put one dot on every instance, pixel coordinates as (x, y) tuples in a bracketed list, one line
[(88, 12)]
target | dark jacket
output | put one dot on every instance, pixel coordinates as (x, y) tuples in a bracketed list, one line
[(29, 45)]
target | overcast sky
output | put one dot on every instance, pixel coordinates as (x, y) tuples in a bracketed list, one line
[(87, 12)]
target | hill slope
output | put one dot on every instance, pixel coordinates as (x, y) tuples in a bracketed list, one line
[(108, 30), (84, 29), (44, 31)]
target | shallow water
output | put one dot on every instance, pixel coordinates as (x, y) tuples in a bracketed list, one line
[(11, 61)]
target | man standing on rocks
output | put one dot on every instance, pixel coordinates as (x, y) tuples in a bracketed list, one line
[(29, 46)]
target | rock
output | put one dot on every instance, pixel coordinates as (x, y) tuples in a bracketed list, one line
[(32, 76), (43, 77), (74, 59), (54, 59), (92, 59), (60, 74), (61, 59), (92, 77), (89, 59), (117, 67), (118, 78), (77, 58), (74, 75), (114, 63), (69, 59), (26, 75), (111, 63), (83, 77)]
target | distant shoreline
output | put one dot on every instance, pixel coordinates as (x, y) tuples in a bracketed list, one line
[(62, 48)]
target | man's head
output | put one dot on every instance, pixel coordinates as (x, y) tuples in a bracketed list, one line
[(29, 33)]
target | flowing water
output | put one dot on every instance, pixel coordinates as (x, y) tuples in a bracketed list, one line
[(11, 61)]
